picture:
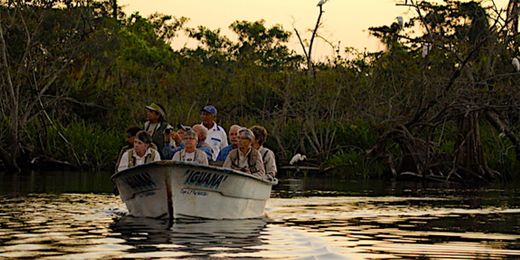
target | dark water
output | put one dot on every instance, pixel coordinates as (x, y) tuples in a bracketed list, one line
[(68, 215)]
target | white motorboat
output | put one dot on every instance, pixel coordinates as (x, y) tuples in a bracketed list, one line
[(168, 189)]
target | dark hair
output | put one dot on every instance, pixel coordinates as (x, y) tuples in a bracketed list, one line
[(133, 130), (144, 137), (260, 133)]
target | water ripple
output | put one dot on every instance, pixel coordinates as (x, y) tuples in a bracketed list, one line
[(95, 226)]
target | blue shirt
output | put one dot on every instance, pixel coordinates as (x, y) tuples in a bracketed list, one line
[(224, 153), (169, 151), (209, 152)]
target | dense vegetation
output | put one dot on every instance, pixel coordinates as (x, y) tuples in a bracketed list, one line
[(75, 75)]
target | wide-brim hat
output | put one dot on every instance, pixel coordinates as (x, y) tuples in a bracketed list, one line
[(156, 108)]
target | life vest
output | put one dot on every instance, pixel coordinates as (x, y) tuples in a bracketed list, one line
[(196, 156), (252, 157), (150, 157)]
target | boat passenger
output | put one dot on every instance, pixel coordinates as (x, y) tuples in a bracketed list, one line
[(130, 136), (233, 138), (267, 155), (157, 126), (245, 158), (190, 153), (141, 153), (217, 138), (177, 144), (202, 134)]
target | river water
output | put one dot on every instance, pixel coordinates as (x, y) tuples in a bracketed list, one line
[(74, 215)]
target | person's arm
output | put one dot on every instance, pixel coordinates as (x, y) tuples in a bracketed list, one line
[(157, 156), (208, 151), (224, 142), (123, 163), (270, 164), (203, 158), (227, 163), (176, 157), (260, 169)]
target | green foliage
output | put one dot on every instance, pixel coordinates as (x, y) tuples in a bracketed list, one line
[(354, 163), (113, 68), (93, 146)]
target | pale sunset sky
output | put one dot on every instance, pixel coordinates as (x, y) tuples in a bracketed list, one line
[(344, 21)]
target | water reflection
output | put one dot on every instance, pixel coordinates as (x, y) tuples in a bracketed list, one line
[(375, 227), (396, 222), (190, 237)]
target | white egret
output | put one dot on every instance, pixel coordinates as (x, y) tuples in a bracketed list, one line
[(296, 158), (516, 64), (426, 48)]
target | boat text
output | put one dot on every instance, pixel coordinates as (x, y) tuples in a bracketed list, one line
[(194, 192), (204, 179), (140, 182)]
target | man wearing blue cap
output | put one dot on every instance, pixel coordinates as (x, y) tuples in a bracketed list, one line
[(217, 137)]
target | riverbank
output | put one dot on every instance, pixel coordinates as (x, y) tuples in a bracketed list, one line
[(375, 115)]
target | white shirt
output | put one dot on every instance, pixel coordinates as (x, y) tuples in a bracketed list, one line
[(217, 139), (189, 157), (123, 164)]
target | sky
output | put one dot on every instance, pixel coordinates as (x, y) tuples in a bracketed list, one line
[(345, 23)]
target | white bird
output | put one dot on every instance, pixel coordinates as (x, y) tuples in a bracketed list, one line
[(321, 2), (296, 158), (426, 48), (400, 21), (516, 64)]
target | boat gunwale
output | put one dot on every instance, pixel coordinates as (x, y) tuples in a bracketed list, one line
[(195, 165)]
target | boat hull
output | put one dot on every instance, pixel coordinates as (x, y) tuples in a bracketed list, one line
[(185, 190)]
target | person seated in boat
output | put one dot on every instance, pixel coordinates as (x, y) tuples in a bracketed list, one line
[(190, 153), (202, 134), (233, 139), (157, 126), (245, 158), (141, 153), (177, 143), (267, 155), (130, 136)]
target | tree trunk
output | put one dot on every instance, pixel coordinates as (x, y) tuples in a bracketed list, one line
[(469, 153)]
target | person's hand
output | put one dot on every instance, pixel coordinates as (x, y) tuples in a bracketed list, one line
[(175, 137)]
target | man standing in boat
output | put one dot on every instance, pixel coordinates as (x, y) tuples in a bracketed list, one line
[(217, 138), (157, 126)]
